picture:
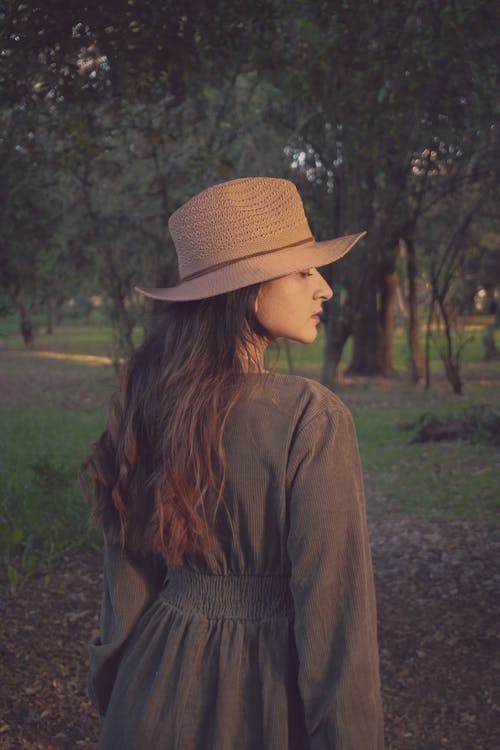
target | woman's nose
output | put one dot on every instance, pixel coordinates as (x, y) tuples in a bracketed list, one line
[(324, 290)]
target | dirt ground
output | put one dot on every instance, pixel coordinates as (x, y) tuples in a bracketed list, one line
[(438, 588)]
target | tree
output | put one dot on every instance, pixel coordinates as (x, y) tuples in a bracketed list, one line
[(137, 122), (28, 207), (447, 238), (373, 91), (417, 362), (151, 102)]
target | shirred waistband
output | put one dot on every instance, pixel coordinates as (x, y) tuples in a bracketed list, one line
[(244, 597)]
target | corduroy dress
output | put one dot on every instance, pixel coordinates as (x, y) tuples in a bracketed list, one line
[(270, 644)]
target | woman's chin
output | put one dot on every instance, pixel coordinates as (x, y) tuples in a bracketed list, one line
[(304, 338)]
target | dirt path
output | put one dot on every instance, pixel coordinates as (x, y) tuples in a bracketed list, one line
[(438, 591), (439, 607)]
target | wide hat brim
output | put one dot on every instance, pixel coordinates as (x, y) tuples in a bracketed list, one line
[(256, 269)]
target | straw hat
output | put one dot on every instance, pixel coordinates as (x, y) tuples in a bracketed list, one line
[(242, 232)]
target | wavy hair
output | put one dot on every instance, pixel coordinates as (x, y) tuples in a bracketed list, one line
[(155, 478)]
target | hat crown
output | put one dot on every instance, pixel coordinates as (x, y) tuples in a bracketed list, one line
[(237, 219)]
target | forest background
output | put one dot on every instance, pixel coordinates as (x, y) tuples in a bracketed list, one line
[(386, 116)]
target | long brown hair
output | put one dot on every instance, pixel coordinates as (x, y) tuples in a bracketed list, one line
[(155, 477)]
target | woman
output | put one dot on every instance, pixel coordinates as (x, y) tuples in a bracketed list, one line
[(238, 607)]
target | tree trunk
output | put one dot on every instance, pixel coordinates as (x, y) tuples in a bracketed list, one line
[(58, 313), (366, 333), (365, 324), (489, 347), (337, 331), (122, 330), (337, 322), (25, 324), (388, 283), (451, 359), (452, 370), (430, 315), (417, 365), (50, 322)]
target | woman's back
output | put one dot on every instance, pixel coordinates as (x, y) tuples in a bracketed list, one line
[(270, 640)]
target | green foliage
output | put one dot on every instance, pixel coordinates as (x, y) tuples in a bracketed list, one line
[(127, 48), (41, 508)]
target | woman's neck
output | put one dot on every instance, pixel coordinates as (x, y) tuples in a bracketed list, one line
[(252, 357)]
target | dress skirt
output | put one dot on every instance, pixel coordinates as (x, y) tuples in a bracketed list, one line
[(210, 652)]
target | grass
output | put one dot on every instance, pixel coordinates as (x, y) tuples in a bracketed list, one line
[(432, 480), (95, 339), (71, 337), (42, 510), (55, 397)]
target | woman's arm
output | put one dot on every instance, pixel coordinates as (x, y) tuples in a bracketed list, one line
[(129, 586), (332, 586)]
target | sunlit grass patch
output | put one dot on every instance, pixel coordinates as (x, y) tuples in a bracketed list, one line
[(86, 359)]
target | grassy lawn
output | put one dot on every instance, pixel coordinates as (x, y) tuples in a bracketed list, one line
[(54, 405)]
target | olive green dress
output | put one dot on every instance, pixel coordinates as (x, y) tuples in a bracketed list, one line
[(271, 643)]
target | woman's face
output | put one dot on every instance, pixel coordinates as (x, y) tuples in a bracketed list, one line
[(290, 306)]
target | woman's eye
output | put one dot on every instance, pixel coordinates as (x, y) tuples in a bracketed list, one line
[(306, 274)]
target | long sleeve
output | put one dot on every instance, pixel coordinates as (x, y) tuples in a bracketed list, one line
[(129, 586), (332, 585)]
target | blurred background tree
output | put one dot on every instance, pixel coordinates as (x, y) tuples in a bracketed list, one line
[(385, 115)]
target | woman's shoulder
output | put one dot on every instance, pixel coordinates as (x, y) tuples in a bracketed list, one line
[(282, 411), (308, 397)]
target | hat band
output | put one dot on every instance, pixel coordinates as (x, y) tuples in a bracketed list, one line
[(224, 264)]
